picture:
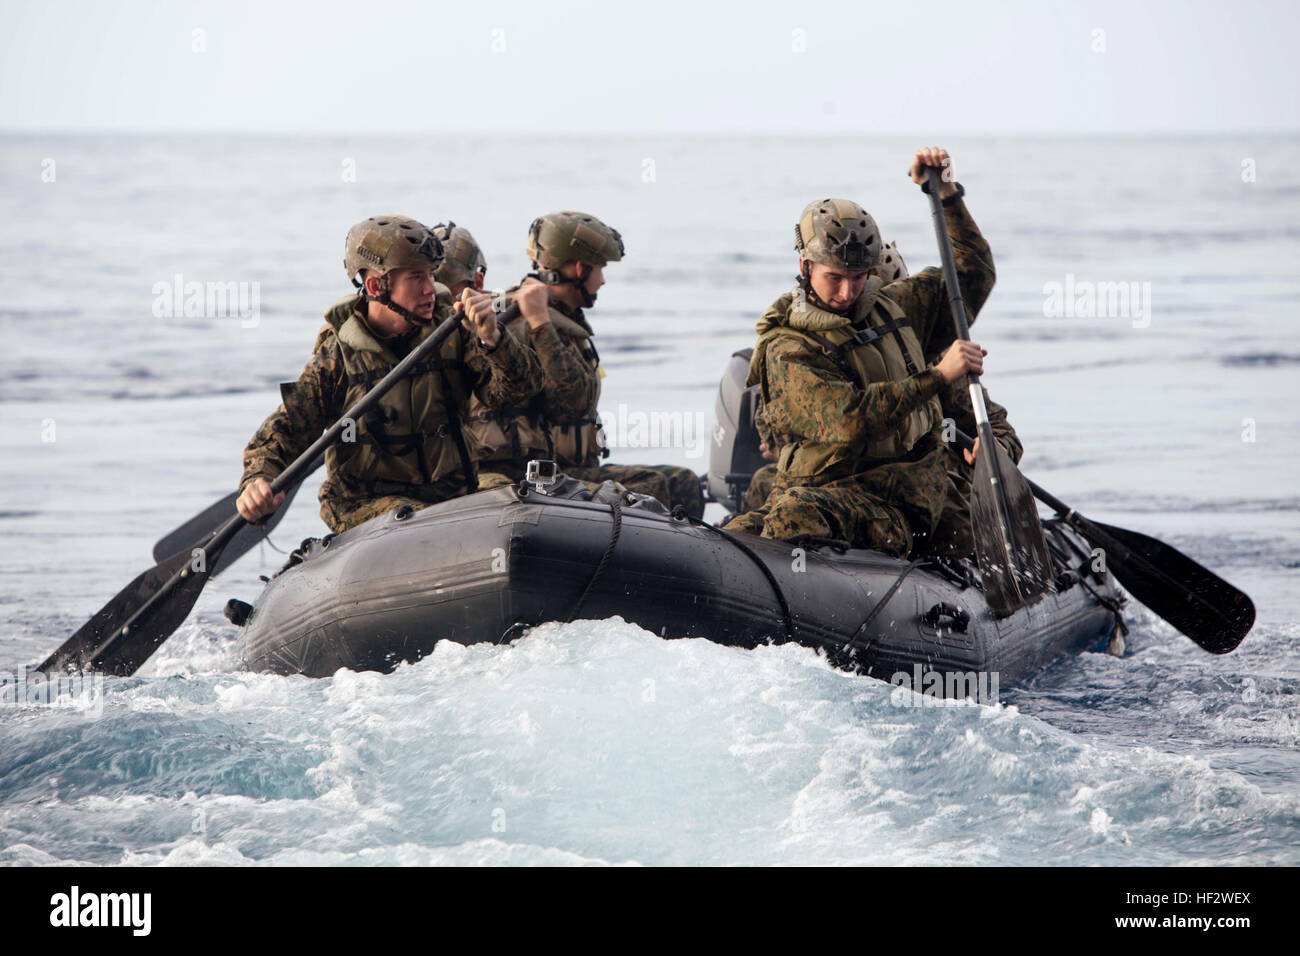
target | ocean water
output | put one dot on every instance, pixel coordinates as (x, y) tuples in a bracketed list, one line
[(596, 742)]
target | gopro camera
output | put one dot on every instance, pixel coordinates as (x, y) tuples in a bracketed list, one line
[(541, 473)]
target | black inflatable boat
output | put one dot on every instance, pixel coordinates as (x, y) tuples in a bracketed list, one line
[(487, 566)]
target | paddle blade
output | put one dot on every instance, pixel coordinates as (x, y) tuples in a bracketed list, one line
[(1192, 598), (202, 525), (1019, 578), (101, 646)]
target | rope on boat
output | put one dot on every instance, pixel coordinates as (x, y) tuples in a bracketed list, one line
[(880, 605), (786, 618), (616, 528), (1114, 605), (272, 545)]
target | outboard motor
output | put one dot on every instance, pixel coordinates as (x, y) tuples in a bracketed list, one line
[(734, 454)]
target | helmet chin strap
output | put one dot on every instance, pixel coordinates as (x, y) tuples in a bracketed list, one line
[(385, 298), (579, 282), (805, 283)]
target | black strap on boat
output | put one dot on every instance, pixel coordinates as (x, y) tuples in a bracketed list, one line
[(1114, 605), (616, 528), (957, 570), (880, 605), (787, 619)]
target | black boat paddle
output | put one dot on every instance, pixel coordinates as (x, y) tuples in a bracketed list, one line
[(1009, 544), (213, 517), (1192, 598), (135, 623)]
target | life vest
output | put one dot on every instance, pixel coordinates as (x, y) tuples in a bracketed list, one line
[(410, 443), (340, 311), (517, 434), (876, 344)]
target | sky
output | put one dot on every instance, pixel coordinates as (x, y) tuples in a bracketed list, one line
[(1000, 66)]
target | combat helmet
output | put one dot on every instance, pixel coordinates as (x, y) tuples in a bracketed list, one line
[(569, 236), (381, 244), (891, 266), (463, 261), (837, 233)]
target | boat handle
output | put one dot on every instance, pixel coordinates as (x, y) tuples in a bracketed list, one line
[(960, 617)]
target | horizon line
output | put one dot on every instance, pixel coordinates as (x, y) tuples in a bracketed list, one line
[(648, 131)]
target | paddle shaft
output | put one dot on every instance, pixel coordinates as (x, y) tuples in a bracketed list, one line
[(305, 463), (208, 549), (956, 301), (962, 327), (208, 521), (214, 516)]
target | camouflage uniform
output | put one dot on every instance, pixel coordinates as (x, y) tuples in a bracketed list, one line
[(954, 530), (763, 480), (561, 422), (876, 508), (407, 450), (761, 484), (817, 408)]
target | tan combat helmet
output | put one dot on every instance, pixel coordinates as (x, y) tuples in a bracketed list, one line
[(837, 233), (891, 266), (569, 236), (384, 243), (381, 244), (464, 260)]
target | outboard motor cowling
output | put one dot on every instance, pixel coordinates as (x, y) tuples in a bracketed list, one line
[(734, 454)]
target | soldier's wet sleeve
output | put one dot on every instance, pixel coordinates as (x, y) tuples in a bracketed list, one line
[(508, 375), (812, 397), (572, 382), (308, 407), (957, 406), (924, 296)]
